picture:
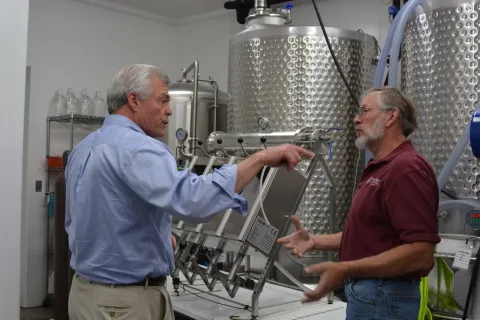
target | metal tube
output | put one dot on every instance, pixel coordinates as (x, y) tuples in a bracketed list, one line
[(445, 316), (260, 3), (220, 247), (71, 133), (214, 84), (255, 305), (454, 236), (449, 256), (333, 213), (215, 106), (193, 124), (256, 206), (185, 154), (193, 119), (238, 261), (48, 136), (190, 167), (228, 213), (190, 68), (253, 142), (207, 170), (47, 190)]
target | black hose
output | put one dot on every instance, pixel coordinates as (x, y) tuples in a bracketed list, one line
[(333, 55), (448, 194)]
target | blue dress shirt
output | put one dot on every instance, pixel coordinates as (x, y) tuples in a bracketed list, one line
[(122, 189)]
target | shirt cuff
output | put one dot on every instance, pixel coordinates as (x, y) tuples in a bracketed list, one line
[(420, 237), (226, 178)]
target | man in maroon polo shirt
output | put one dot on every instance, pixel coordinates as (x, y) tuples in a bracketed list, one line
[(391, 230)]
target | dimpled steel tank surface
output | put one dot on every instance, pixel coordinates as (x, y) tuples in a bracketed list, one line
[(440, 72), (283, 78)]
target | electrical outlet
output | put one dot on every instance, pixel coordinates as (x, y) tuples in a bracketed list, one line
[(38, 186)]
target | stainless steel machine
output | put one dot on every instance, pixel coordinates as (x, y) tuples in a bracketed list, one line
[(283, 88)]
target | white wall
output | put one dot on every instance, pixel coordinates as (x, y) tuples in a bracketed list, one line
[(71, 44), (13, 58), (207, 41)]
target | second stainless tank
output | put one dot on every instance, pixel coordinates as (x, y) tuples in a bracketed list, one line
[(283, 78)]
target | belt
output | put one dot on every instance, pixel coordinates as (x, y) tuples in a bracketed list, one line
[(385, 280), (152, 282), (147, 282)]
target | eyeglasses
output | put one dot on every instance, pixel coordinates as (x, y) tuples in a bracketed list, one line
[(362, 111)]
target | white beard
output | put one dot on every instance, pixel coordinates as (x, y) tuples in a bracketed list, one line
[(375, 133)]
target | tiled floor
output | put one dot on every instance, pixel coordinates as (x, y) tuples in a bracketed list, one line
[(36, 313)]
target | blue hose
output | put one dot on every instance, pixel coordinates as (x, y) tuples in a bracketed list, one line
[(398, 38), (392, 36), (382, 62)]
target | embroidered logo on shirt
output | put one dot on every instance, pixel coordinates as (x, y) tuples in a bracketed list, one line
[(373, 182)]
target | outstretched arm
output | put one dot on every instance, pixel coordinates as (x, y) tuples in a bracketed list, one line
[(151, 172)]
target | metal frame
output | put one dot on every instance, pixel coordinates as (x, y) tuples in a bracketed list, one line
[(72, 119), (234, 147)]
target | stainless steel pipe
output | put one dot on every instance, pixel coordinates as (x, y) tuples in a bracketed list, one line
[(253, 142), (193, 120), (260, 4)]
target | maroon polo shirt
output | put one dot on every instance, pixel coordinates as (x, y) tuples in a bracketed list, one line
[(396, 202)]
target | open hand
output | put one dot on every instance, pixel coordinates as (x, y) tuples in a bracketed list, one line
[(299, 242), (332, 274)]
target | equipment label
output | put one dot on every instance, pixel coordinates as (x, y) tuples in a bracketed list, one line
[(462, 258), (262, 235)]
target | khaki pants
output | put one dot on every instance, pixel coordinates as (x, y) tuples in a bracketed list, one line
[(93, 301)]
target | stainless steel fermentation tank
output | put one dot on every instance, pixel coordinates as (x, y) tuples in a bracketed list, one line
[(440, 72), (440, 69), (211, 112), (283, 78)]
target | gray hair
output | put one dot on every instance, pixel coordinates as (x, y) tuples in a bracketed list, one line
[(389, 98), (135, 78)]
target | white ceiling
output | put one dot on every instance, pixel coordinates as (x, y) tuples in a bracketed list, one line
[(172, 11), (175, 9)]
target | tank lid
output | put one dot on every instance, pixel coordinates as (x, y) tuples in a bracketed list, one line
[(205, 91)]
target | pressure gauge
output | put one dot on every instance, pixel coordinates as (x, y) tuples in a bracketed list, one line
[(262, 123), (473, 219), (181, 135)]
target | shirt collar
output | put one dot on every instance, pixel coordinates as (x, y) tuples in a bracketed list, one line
[(404, 146), (122, 121)]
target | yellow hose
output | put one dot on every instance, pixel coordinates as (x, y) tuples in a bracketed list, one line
[(424, 312), (443, 301)]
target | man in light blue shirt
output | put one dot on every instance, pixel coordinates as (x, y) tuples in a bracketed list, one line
[(123, 187)]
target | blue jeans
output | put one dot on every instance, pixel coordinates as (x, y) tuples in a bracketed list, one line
[(382, 299)]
